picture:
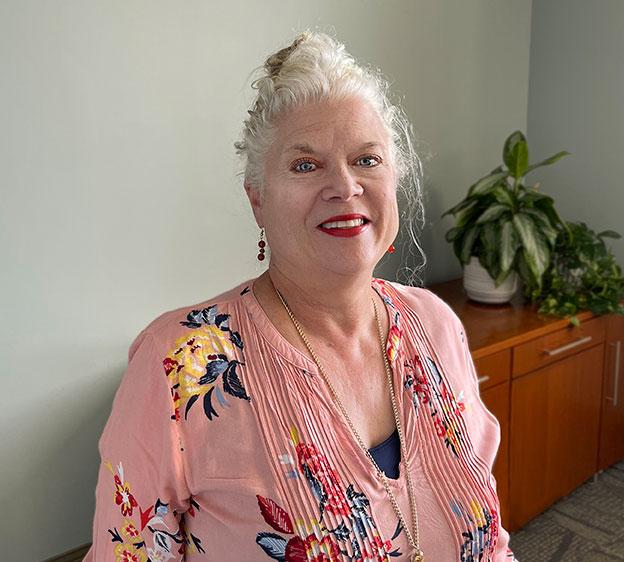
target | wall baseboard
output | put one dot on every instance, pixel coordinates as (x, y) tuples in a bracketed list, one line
[(74, 555)]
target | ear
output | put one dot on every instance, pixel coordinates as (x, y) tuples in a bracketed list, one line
[(255, 198)]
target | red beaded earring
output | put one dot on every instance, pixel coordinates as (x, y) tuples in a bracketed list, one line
[(261, 246), (391, 249)]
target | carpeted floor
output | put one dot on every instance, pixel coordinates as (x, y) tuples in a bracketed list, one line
[(586, 526)]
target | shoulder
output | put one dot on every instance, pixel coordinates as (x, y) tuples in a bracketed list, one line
[(197, 346), (211, 317), (423, 302)]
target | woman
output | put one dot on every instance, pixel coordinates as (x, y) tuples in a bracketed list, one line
[(314, 413)]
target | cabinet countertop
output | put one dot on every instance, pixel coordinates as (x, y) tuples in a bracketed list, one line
[(494, 327)]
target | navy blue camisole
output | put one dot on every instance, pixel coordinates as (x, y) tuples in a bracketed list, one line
[(387, 455)]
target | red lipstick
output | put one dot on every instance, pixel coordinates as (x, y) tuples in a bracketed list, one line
[(344, 232)]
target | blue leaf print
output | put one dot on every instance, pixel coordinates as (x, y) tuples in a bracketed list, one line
[(213, 370), (273, 545), (191, 401), (208, 409), (232, 384)]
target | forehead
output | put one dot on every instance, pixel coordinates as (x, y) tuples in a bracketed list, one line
[(330, 124)]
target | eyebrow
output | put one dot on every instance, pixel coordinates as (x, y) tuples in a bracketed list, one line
[(303, 147)]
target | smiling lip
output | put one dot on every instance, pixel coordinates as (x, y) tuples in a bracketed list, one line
[(344, 232)]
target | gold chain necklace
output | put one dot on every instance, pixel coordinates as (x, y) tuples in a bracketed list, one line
[(413, 538)]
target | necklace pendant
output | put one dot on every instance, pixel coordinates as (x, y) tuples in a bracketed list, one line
[(418, 557)]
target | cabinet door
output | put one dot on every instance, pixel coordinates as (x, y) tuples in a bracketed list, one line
[(496, 400), (554, 432), (612, 428)]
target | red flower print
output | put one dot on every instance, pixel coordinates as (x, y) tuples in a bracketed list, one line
[(380, 548), (296, 550), (460, 407), (315, 464), (274, 515), (170, 364), (440, 429), (124, 498)]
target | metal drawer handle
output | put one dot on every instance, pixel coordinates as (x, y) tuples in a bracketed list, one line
[(616, 378), (567, 346), (486, 378)]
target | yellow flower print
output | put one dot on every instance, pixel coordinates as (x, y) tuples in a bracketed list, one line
[(193, 353), (130, 532), (129, 553), (207, 352)]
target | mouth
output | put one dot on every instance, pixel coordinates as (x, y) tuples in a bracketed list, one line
[(344, 225), (344, 221)]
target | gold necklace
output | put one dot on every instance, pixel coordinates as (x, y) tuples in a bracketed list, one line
[(413, 538)]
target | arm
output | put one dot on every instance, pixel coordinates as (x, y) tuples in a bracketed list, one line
[(141, 493)]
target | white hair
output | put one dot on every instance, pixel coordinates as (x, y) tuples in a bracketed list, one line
[(316, 67)]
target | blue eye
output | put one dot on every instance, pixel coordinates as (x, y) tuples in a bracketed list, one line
[(374, 161), (304, 166)]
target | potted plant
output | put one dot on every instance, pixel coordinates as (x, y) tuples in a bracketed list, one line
[(583, 275), (504, 227)]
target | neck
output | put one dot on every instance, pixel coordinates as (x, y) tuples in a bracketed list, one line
[(334, 307)]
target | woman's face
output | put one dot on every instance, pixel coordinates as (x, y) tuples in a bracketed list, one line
[(329, 199)]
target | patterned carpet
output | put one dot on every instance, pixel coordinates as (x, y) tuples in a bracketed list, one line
[(586, 526)]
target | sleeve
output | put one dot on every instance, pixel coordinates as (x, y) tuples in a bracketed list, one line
[(141, 493), (487, 439)]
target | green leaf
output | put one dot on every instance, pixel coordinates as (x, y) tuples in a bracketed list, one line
[(531, 196), (467, 215), (483, 185), (547, 206), (535, 249), (524, 271), (548, 161), (509, 242), (502, 276), (575, 321), (467, 243), (520, 156), (452, 234), (490, 240), (491, 213), (608, 234), (538, 215), (542, 223), (460, 206), (504, 196), (516, 154)]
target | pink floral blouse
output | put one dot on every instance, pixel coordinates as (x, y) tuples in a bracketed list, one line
[(224, 444)]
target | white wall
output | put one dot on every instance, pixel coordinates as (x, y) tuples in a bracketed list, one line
[(119, 198), (575, 104)]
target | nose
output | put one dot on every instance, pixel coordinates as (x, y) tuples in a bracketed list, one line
[(342, 184)]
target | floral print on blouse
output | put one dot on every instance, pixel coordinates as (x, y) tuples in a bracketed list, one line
[(224, 444)]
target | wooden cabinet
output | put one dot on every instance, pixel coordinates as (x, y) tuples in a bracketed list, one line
[(556, 390), (612, 419), (555, 414)]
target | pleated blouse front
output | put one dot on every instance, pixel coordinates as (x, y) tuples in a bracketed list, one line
[(224, 444)]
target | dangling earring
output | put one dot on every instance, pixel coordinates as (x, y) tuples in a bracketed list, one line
[(391, 249), (261, 245)]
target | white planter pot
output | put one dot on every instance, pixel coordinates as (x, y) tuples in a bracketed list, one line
[(480, 286)]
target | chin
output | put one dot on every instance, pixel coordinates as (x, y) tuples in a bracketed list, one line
[(350, 265)]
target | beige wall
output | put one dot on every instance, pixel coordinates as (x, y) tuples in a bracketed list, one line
[(119, 198)]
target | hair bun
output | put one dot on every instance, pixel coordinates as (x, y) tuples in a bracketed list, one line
[(274, 63)]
